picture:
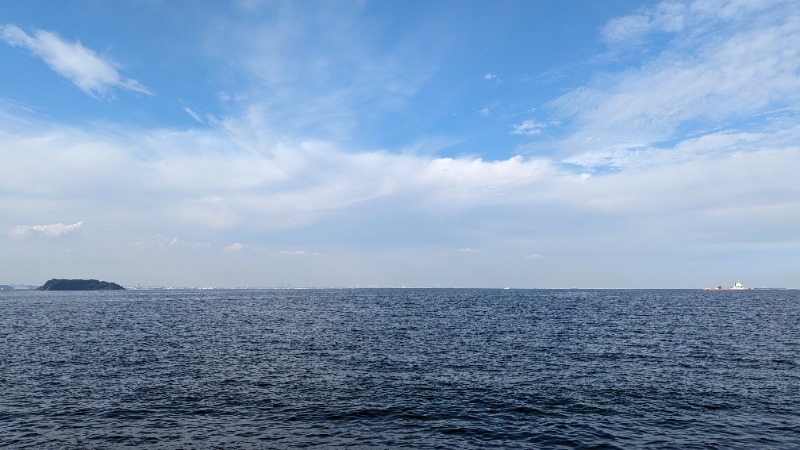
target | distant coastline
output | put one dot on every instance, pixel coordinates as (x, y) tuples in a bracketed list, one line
[(57, 284), (10, 287)]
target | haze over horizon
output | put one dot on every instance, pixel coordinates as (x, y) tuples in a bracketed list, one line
[(619, 144)]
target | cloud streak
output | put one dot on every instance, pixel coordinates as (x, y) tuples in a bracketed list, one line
[(82, 66), (45, 231)]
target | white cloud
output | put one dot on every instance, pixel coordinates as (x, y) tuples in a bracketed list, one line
[(490, 76), (235, 247), (469, 250), (233, 184), (206, 182), (625, 28), (528, 128), (234, 177), (193, 114), (46, 231), (160, 241), (82, 66)]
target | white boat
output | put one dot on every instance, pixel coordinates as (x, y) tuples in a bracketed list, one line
[(738, 286)]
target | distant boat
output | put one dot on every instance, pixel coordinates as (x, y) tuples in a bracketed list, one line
[(738, 286)]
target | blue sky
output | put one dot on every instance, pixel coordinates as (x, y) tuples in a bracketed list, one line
[(490, 144)]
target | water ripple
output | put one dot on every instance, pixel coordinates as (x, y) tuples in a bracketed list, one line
[(400, 368)]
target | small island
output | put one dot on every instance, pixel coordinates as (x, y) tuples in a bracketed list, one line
[(79, 285)]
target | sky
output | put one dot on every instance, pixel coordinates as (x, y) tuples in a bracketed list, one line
[(528, 144)]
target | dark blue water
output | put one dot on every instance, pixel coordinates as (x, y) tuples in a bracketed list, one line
[(400, 368)]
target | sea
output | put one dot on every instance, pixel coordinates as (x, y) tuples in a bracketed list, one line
[(400, 368)]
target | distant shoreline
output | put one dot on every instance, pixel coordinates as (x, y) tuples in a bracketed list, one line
[(28, 288)]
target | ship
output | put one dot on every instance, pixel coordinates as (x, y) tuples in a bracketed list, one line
[(738, 286)]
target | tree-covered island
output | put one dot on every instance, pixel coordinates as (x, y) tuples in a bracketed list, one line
[(79, 285)]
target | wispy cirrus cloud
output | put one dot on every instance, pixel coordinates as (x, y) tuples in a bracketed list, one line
[(82, 66), (730, 67), (321, 76), (678, 16), (666, 16), (46, 231)]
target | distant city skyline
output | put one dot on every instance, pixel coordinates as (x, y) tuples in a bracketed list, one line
[(619, 144)]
